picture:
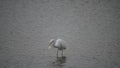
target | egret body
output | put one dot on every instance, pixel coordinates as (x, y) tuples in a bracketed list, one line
[(58, 43)]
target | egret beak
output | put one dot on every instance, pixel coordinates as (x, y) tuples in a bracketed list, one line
[(49, 46)]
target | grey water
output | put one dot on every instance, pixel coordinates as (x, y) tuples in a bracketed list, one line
[(89, 27)]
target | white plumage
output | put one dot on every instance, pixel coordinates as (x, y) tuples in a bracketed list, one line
[(59, 44)]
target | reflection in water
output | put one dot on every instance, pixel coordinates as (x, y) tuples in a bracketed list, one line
[(59, 62)]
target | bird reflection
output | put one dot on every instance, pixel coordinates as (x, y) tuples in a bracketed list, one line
[(60, 61)]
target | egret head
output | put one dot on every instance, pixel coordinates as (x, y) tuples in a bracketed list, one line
[(51, 43)]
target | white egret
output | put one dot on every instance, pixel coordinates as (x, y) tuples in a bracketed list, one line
[(59, 44)]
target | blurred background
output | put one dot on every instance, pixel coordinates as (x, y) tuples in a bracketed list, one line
[(91, 29)]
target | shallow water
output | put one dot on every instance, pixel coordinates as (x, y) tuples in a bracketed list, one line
[(90, 29)]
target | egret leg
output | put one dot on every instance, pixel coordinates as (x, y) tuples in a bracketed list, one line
[(57, 52), (62, 53)]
